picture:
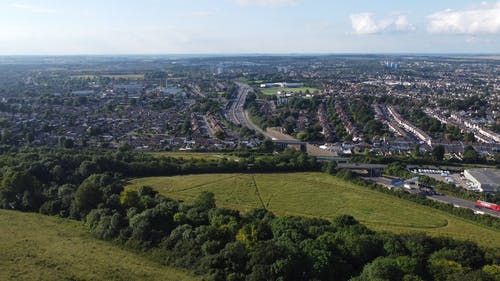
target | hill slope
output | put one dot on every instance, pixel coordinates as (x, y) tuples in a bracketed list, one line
[(37, 247), (317, 194)]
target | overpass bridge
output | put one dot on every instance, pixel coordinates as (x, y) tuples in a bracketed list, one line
[(374, 170), (282, 144)]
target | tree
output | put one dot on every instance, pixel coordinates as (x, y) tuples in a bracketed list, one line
[(129, 198), (6, 137), (87, 168), (330, 167), (438, 153), (470, 155), (20, 191), (344, 221), (87, 197), (388, 268), (442, 268), (493, 270), (219, 134), (205, 201), (267, 146), (152, 225), (469, 137), (66, 143), (103, 223)]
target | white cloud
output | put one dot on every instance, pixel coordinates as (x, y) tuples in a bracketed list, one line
[(197, 14), (478, 40), (33, 9), (481, 19), (363, 23), (267, 3)]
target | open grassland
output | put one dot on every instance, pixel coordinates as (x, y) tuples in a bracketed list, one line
[(194, 155), (273, 91), (317, 194), (37, 247), (112, 76)]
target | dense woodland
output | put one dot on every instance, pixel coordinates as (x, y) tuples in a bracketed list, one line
[(223, 244)]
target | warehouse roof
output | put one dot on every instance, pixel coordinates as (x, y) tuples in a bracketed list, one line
[(486, 176)]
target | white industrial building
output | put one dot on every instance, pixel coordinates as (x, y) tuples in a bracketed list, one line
[(486, 180)]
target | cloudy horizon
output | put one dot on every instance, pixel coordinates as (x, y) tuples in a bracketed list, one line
[(56, 27)]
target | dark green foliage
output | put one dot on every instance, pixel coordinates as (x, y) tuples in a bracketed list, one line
[(104, 223), (433, 126), (438, 153), (21, 191), (330, 167), (389, 268), (223, 244), (345, 174), (87, 197), (471, 155)]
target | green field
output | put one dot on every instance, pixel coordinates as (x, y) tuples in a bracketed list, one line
[(194, 155), (113, 76), (37, 247), (317, 194), (273, 91)]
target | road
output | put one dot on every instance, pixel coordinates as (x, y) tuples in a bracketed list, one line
[(457, 202), (249, 124), (462, 204), (236, 113), (239, 116)]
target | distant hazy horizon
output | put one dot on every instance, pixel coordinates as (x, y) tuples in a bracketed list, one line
[(248, 27), (208, 55)]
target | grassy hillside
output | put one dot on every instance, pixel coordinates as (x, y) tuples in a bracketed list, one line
[(317, 194), (37, 247)]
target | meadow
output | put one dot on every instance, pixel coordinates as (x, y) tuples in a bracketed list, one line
[(319, 195), (112, 76), (194, 155), (273, 91), (38, 247)]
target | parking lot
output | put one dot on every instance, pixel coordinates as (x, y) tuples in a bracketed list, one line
[(445, 176)]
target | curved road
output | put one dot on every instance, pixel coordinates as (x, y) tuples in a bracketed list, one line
[(239, 116), (236, 112)]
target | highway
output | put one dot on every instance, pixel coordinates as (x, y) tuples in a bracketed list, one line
[(236, 112), (239, 116), (462, 204), (457, 202)]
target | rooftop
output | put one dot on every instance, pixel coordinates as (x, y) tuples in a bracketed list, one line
[(486, 176)]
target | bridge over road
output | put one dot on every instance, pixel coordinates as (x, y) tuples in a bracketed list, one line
[(374, 170), (282, 144)]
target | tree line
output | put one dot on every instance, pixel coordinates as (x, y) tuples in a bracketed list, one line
[(224, 244)]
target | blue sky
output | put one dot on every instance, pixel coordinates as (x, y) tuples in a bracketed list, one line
[(248, 26)]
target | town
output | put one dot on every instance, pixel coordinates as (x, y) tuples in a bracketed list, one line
[(250, 140), (378, 105)]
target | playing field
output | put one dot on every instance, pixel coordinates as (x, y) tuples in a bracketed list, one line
[(113, 76), (273, 91), (194, 155), (37, 247), (318, 194)]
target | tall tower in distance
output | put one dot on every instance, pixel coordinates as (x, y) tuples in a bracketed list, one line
[(165, 89)]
